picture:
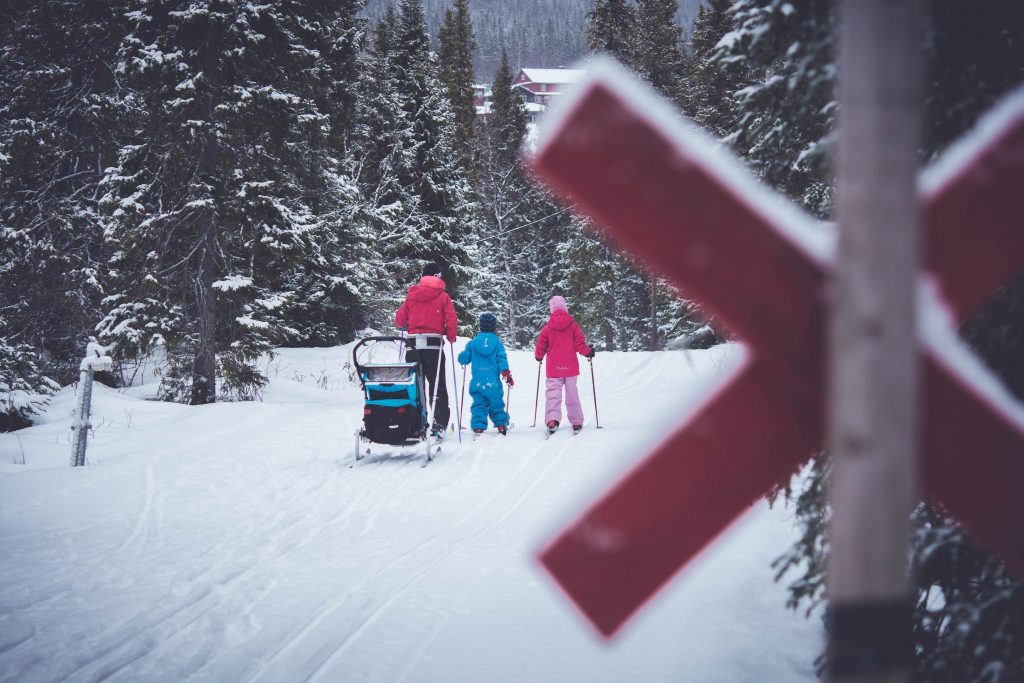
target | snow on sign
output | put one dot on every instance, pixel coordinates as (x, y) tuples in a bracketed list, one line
[(667, 194)]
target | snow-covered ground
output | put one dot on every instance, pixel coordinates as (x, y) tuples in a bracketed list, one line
[(234, 542)]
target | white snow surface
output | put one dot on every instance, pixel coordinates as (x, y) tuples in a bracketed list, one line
[(236, 542)]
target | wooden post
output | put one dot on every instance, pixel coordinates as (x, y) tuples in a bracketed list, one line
[(95, 359), (80, 420), (873, 374)]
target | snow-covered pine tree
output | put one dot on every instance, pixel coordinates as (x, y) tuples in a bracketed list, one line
[(611, 29), (657, 48), (57, 109), (658, 58), (381, 145), (333, 282), (458, 46), (522, 224), (785, 126), (24, 388), (647, 39), (209, 203), (587, 275), (502, 192), (712, 83), (506, 125), (533, 33), (435, 175)]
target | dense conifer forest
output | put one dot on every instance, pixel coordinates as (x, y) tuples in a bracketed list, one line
[(534, 33)]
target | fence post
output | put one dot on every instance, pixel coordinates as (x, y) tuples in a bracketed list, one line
[(96, 358)]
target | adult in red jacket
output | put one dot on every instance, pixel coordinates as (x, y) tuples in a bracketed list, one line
[(429, 310), (560, 340)]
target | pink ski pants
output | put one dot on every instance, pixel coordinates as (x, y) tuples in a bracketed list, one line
[(553, 396)]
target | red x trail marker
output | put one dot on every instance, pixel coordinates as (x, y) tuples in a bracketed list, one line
[(668, 195)]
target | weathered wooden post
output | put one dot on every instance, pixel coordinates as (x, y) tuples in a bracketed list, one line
[(96, 358), (873, 379)]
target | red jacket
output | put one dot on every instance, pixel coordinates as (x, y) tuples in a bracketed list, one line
[(560, 340), (428, 309)]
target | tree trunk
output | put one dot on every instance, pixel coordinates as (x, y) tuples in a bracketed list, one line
[(652, 343), (204, 366)]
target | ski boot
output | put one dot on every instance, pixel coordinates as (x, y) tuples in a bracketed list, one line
[(576, 429), (503, 430), (552, 426)]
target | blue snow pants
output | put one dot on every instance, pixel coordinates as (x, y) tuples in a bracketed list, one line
[(488, 401)]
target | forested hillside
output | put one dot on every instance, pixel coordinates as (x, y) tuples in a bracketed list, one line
[(535, 33)]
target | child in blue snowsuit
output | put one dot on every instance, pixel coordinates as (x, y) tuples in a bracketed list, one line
[(487, 355)]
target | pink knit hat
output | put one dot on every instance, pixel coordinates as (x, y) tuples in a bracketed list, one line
[(558, 304)]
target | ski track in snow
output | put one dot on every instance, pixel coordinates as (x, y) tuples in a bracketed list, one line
[(416, 578), (243, 542)]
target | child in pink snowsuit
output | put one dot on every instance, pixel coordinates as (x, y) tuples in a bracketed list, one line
[(560, 340)]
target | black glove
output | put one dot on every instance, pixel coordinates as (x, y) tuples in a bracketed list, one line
[(592, 352)]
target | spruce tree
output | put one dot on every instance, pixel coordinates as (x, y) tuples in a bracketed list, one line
[(211, 206), (58, 113), (435, 174), (712, 83), (458, 46), (382, 150), (330, 284), (784, 122), (657, 50), (24, 388), (588, 280), (522, 224), (611, 28), (507, 121)]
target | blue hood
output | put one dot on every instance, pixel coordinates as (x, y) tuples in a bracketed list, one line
[(487, 355), (485, 344)]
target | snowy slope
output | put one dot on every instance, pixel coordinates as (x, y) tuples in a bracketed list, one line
[(233, 542)]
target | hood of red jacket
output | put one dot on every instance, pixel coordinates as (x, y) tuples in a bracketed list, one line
[(560, 320), (429, 288)]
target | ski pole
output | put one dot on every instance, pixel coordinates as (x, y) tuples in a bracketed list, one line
[(437, 377), (401, 343), (463, 401), (593, 385), (536, 398), (508, 401), (455, 382)]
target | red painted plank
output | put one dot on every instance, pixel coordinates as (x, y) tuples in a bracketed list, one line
[(642, 532), (974, 462), (975, 223), (690, 224)]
